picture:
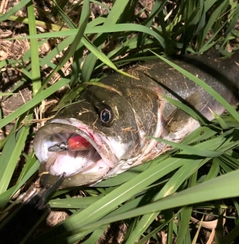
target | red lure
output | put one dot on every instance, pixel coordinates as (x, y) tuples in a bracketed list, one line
[(78, 143)]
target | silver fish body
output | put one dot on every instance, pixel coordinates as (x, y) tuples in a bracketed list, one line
[(111, 128)]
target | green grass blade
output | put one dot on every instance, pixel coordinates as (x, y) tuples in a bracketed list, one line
[(8, 164), (191, 150), (35, 64)]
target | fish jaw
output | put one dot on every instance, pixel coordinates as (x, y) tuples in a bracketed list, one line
[(87, 166)]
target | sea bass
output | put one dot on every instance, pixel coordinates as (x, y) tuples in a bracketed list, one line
[(112, 127)]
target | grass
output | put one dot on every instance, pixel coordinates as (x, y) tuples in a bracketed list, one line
[(198, 177)]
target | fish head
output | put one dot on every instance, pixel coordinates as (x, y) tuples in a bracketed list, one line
[(89, 138)]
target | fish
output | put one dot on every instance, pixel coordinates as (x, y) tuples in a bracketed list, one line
[(112, 126)]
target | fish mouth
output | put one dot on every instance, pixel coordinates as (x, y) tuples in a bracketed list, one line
[(70, 147)]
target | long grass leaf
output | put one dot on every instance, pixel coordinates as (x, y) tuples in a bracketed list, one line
[(35, 64), (11, 162)]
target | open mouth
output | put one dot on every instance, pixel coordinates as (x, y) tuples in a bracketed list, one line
[(71, 147)]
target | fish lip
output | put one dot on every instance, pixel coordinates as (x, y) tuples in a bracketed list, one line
[(72, 126)]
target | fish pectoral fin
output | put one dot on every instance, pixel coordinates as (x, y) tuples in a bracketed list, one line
[(180, 123)]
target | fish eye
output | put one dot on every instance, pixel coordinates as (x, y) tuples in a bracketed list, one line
[(105, 115)]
